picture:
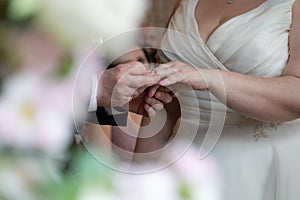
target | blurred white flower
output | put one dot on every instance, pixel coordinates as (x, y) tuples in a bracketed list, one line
[(94, 192), (157, 185), (202, 176), (35, 114), (20, 175), (187, 178), (37, 52), (81, 21)]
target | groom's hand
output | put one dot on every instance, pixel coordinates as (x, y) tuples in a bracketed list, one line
[(119, 85)]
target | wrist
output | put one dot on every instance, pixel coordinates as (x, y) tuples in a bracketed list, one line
[(211, 77), (202, 80)]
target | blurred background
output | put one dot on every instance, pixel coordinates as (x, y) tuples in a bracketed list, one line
[(159, 12), (42, 46)]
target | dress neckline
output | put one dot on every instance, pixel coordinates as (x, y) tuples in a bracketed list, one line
[(260, 6)]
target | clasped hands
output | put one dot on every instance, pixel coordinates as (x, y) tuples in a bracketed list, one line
[(133, 87)]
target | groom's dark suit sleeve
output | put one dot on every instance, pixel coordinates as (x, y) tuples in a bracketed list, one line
[(103, 117), (106, 119)]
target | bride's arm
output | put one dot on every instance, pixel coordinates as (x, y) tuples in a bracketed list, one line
[(161, 138), (267, 99)]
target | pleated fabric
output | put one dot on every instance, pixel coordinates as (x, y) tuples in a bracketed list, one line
[(256, 160)]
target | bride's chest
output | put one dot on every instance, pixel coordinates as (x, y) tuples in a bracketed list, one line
[(210, 15), (254, 42)]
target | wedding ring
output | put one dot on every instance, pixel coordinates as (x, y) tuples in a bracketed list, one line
[(153, 72)]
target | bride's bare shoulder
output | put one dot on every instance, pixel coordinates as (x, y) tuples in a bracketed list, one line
[(293, 67)]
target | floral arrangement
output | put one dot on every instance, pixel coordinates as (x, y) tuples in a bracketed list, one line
[(39, 45)]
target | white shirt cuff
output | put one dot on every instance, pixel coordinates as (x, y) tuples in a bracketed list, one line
[(93, 100)]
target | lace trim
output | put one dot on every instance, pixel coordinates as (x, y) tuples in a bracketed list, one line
[(258, 127)]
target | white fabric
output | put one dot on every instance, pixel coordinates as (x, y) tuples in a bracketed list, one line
[(93, 99), (257, 160)]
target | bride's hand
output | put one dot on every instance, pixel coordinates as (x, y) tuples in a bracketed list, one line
[(178, 72), (148, 103)]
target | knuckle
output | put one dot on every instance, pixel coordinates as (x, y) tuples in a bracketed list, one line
[(119, 81), (169, 99), (155, 102), (158, 95), (123, 68), (120, 68), (134, 63), (151, 101), (148, 101), (137, 64), (176, 70), (117, 77)]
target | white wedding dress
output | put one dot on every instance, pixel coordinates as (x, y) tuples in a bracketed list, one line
[(256, 160)]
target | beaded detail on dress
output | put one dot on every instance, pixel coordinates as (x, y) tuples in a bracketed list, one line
[(259, 127)]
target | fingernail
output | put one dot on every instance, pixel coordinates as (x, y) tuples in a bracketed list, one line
[(147, 74), (162, 82), (149, 94)]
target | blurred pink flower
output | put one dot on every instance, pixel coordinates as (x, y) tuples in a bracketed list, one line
[(156, 185), (202, 175), (198, 179), (35, 114), (38, 52)]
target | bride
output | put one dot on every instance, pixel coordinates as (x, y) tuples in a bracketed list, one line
[(246, 55)]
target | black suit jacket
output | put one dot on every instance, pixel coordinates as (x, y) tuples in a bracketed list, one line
[(113, 120)]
